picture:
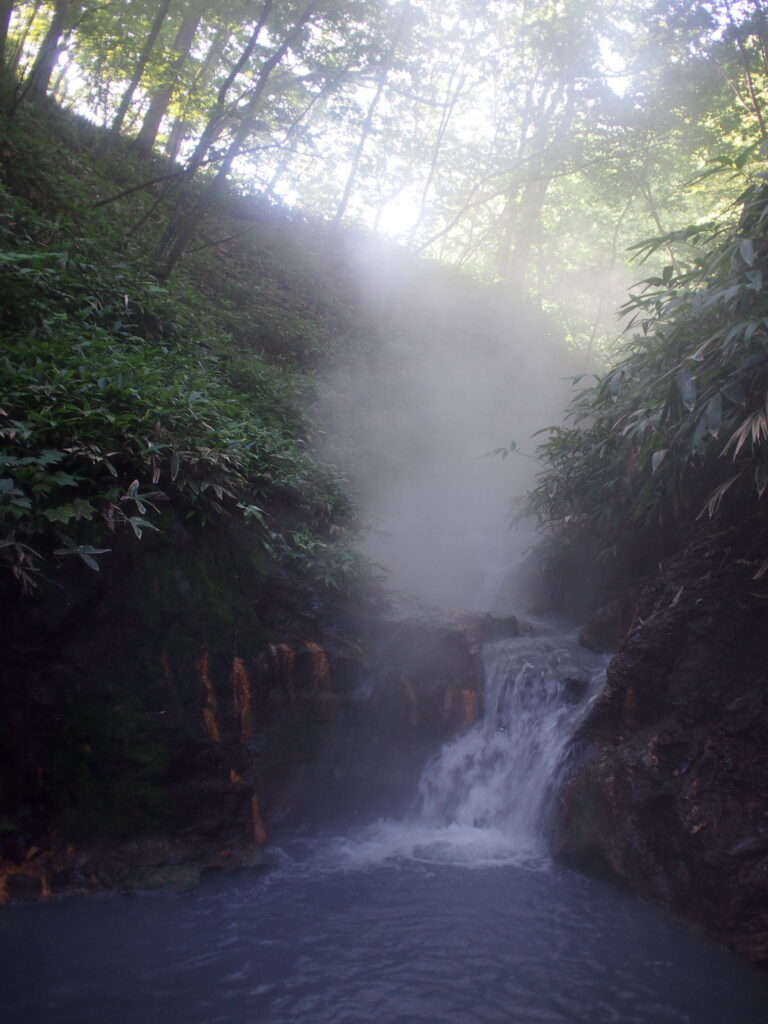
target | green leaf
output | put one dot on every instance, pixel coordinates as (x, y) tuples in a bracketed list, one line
[(61, 514), (49, 457), (714, 501), (83, 551), (755, 279), (747, 250), (65, 479), (713, 415), (657, 458), (687, 388)]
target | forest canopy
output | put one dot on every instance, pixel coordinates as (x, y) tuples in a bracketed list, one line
[(528, 142)]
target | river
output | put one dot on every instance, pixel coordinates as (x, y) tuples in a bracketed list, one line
[(455, 914)]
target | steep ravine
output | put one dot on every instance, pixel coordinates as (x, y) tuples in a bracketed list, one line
[(174, 714), (165, 723)]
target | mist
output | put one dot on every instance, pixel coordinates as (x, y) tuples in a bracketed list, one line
[(456, 369)]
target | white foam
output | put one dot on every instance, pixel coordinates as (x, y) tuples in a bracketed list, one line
[(391, 842), (482, 798)]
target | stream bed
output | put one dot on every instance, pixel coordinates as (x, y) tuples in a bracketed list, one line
[(455, 915), (418, 938)]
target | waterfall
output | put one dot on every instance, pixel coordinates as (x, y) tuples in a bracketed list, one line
[(499, 774), (482, 799)]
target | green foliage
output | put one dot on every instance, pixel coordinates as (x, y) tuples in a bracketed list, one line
[(108, 769), (678, 429), (115, 417), (332, 562)]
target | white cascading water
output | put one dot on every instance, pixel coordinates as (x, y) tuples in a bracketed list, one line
[(499, 774), (482, 799)]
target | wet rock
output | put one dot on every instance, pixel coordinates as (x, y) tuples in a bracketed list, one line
[(70, 881), (484, 627), (240, 858), (751, 846), (607, 627), (216, 809), (165, 878), (666, 784), (574, 688), (23, 888)]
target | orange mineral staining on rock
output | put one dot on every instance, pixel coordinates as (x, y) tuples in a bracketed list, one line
[(285, 662), (471, 700), (209, 699), (321, 669), (241, 689), (259, 832), (38, 878), (165, 664)]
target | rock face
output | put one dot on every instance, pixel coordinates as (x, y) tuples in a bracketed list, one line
[(666, 787), (415, 682), (197, 701)]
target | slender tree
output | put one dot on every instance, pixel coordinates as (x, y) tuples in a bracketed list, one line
[(385, 67), (218, 112), (161, 97), (182, 227), (39, 78), (6, 10), (204, 78), (140, 65)]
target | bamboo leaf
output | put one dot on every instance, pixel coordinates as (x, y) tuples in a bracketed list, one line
[(734, 392), (715, 499), (713, 415), (687, 389), (747, 250), (755, 279)]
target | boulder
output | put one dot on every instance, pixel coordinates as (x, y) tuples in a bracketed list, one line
[(666, 785)]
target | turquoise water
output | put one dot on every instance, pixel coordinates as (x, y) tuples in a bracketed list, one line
[(455, 916), (350, 930)]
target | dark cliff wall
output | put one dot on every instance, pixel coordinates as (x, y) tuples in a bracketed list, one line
[(667, 783), (172, 713)]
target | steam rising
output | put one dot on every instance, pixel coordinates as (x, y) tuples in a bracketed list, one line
[(457, 370)]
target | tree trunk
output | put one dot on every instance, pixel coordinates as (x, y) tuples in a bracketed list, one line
[(180, 126), (216, 115), (58, 82), (365, 131), (181, 229), (161, 98), (6, 9), (175, 139), (39, 79), (141, 63), (21, 39), (523, 224)]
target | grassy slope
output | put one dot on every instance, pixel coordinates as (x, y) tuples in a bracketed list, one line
[(164, 435), (127, 404)]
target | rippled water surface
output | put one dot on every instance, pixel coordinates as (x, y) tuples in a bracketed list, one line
[(383, 927), (456, 917)]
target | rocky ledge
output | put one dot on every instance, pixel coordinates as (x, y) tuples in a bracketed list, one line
[(169, 720), (150, 865), (666, 786)]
